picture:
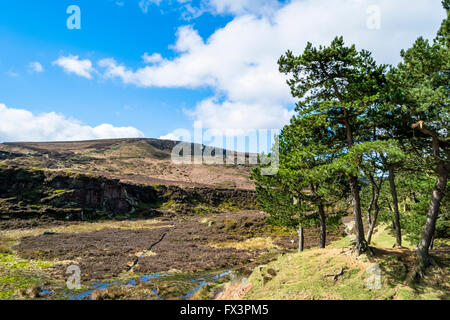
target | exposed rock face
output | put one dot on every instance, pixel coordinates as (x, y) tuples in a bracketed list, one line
[(79, 195), (8, 155)]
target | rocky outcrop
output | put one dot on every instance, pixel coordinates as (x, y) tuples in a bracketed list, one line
[(8, 155), (79, 196)]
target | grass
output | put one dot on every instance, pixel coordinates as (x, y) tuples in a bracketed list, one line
[(249, 244), (80, 227), (226, 184), (308, 276), (304, 276), (384, 237), (228, 206), (11, 261), (17, 273)]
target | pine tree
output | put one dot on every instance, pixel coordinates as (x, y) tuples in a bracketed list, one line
[(339, 84), (303, 188), (421, 83)]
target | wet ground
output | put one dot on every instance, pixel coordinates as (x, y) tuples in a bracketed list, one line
[(160, 258)]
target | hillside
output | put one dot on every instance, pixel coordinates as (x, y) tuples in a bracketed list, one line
[(335, 273), (140, 161)]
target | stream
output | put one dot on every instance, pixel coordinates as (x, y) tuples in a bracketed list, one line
[(198, 282)]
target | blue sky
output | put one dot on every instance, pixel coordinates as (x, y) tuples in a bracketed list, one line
[(212, 61), (37, 32)]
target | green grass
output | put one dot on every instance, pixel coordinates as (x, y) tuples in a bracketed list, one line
[(384, 237), (11, 261), (304, 276), (17, 273)]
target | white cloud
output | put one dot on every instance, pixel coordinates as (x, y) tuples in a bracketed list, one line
[(22, 125), (145, 4), (170, 136), (193, 9), (36, 67), (152, 59), (259, 7), (239, 118), (72, 64), (239, 61)]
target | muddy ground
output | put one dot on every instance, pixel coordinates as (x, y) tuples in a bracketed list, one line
[(187, 246)]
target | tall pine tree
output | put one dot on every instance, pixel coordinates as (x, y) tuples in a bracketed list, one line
[(339, 84), (421, 83)]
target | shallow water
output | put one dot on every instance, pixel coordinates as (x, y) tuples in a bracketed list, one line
[(202, 282), (199, 282)]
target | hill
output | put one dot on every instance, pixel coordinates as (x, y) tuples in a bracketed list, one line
[(334, 273), (140, 161)]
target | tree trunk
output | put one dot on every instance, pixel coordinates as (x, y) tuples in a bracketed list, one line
[(373, 224), (431, 244), (323, 227), (370, 208), (301, 239), (435, 202), (398, 230), (433, 212), (361, 244), (375, 214)]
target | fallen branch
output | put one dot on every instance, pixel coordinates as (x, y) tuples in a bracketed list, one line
[(162, 238), (136, 260), (337, 275)]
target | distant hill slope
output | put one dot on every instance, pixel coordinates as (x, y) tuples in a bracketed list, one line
[(139, 160)]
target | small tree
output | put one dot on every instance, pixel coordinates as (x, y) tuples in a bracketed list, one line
[(302, 190)]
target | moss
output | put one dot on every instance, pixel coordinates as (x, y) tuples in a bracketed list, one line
[(12, 261), (203, 209), (281, 231), (12, 283), (168, 205), (6, 294), (228, 206), (147, 205), (12, 279), (159, 187)]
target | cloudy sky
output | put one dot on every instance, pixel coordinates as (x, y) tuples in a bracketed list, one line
[(149, 67)]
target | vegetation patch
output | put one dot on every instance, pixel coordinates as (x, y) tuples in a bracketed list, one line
[(335, 274)]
